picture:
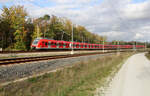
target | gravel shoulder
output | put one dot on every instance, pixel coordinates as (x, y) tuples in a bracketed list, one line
[(133, 79), (16, 55)]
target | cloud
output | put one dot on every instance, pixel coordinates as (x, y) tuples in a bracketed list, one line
[(117, 19), (73, 1), (138, 36), (5, 1), (0, 11), (138, 11)]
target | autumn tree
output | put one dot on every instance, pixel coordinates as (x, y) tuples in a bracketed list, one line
[(56, 27), (68, 30), (37, 28), (6, 29), (29, 29), (15, 17)]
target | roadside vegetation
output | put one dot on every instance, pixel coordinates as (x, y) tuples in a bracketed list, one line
[(148, 55), (82, 79)]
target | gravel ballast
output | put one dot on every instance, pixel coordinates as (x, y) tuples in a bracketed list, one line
[(17, 71)]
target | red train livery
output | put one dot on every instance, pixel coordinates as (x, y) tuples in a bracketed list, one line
[(41, 43)]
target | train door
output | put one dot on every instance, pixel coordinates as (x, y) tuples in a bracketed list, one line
[(46, 44), (53, 44), (60, 45), (67, 45), (49, 44)]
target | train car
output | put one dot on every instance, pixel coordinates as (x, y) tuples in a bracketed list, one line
[(42, 43)]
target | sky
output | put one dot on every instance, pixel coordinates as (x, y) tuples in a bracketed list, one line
[(127, 20)]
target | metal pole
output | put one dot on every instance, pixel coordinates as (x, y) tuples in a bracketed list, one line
[(118, 48), (135, 46), (145, 46), (72, 51), (103, 45)]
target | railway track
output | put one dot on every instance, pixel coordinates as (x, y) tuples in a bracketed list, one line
[(40, 58), (36, 51)]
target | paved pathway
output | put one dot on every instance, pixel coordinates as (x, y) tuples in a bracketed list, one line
[(133, 79)]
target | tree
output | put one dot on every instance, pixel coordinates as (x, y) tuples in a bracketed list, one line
[(15, 16), (29, 27), (5, 28), (57, 27), (46, 20), (68, 30), (17, 31)]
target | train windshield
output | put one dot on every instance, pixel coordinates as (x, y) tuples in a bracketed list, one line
[(35, 42)]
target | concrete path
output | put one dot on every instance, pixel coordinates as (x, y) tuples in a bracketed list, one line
[(133, 79)]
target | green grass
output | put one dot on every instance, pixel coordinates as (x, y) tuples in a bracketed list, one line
[(82, 79), (148, 55)]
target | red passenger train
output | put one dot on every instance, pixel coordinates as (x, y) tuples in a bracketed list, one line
[(42, 43)]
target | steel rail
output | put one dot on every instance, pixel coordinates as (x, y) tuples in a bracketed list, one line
[(40, 58)]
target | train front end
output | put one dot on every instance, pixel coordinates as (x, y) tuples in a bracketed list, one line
[(35, 43)]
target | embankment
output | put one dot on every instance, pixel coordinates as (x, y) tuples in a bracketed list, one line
[(81, 79)]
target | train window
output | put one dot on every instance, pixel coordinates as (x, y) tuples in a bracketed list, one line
[(46, 43), (77, 45), (67, 44), (35, 42), (53, 43), (60, 44), (64, 44), (74, 45)]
